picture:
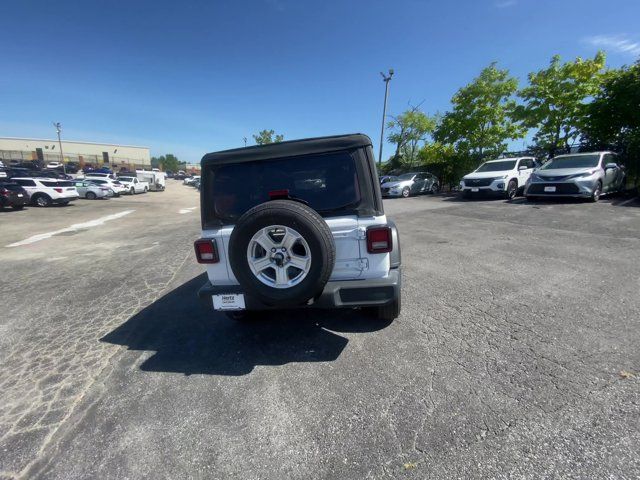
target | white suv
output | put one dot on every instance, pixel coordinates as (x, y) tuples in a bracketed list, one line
[(505, 176), (45, 191), (298, 224)]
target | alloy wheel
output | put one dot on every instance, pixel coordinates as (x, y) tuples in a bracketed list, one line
[(279, 256)]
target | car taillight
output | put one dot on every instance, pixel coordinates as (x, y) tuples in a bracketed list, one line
[(4, 191), (59, 190), (206, 250), (379, 240)]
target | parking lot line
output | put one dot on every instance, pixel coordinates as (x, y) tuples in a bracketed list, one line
[(187, 210), (78, 226)]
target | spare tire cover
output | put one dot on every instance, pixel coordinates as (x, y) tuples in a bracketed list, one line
[(282, 252)]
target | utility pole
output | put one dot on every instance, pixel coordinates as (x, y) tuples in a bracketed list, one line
[(245, 141), (58, 127), (386, 79)]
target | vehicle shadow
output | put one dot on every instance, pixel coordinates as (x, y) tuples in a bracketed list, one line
[(190, 338)]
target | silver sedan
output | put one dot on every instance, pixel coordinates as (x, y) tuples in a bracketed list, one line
[(580, 175), (91, 191)]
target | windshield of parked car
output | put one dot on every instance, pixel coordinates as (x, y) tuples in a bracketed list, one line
[(125, 179), (326, 182), (406, 176), (497, 166), (572, 161)]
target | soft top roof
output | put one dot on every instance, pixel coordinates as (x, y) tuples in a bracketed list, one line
[(291, 148)]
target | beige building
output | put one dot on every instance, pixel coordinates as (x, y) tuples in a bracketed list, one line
[(81, 153)]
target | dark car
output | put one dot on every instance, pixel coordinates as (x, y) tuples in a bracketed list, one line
[(12, 195)]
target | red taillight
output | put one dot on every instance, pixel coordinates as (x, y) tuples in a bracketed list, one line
[(206, 251), (4, 191), (59, 190), (278, 194), (379, 240)]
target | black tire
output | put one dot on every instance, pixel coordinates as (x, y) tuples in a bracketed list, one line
[(132, 191), (17, 207), (91, 196), (406, 192), (466, 194), (388, 312), (512, 190), (435, 188), (41, 200), (305, 221), (531, 198), (597, 191)]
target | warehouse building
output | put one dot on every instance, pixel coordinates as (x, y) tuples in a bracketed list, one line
[(81, 154)]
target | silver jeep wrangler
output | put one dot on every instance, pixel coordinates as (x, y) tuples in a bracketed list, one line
[(297, 224)]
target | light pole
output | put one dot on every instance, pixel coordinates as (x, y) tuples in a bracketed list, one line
[(58, 127), (386, 79)]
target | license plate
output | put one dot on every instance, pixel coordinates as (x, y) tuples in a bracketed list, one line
[(550, 189), (19, 194), (475, 189), (228, 301)]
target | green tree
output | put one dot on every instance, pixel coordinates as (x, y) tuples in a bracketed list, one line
[(408, 131), (265, 137), (481, 120), (555, 101), (167, 162), (444, 161), (613, 117)]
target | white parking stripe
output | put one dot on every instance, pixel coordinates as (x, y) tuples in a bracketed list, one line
[(186, 210), (72, 228), (626, 202)]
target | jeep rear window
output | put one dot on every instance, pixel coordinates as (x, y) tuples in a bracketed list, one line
[(328, 183)]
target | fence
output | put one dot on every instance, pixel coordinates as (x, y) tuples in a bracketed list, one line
[(96, 161)]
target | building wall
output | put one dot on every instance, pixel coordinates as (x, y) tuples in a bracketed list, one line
[(79, 152)]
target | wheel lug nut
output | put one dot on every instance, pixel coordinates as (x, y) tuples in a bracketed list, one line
[(273, 249)]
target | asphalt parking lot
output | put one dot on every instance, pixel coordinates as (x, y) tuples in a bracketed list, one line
[(516, 354)]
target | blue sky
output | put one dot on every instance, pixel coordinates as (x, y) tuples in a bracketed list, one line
[(195, 76)]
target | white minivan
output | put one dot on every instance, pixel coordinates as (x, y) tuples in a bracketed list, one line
[(505, 176)]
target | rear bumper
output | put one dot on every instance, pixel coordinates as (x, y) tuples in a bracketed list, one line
[(340, 294)]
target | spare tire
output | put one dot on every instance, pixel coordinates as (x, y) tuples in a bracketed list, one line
[(282, 252)]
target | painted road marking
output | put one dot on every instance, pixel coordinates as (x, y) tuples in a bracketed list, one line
[(187, 210), (72, 228), (626, 202)]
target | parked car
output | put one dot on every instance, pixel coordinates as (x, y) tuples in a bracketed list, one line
[(12, 195), (96, 174), (55, 165), (504, 177), (91, 191), (298, 224), (409, 184), (190, 180), (388, 178), (134, 185), (45, 191), (155, 178), (117, 188), (579, 175)]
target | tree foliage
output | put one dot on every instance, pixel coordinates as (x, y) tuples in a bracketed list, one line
[(613, 118), (480, 122), (168, 162), (555, 101), (265, 137), (408, 130)]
